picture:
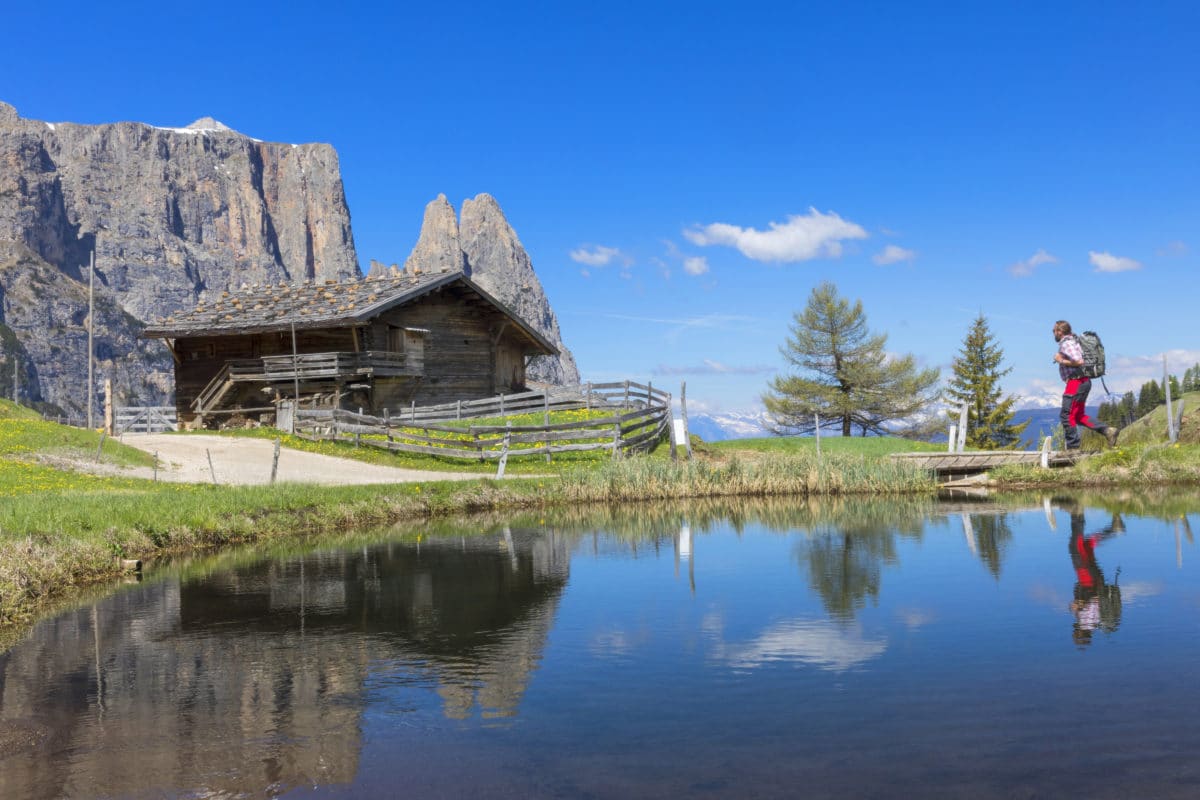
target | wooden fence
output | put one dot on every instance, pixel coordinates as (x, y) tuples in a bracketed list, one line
[(144, 419), (638, 417)]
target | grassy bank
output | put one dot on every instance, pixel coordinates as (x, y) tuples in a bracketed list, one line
[(60, 529)]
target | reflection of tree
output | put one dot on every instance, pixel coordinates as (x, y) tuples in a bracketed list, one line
[(844, 567), (992, 536)]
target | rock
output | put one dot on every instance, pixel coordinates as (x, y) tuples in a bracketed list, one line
[(169, 214), (438, 246)]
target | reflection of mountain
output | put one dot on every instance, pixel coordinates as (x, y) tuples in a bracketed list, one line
[(251, 680)]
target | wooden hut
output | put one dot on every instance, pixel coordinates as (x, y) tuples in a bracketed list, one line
[(382, 342)]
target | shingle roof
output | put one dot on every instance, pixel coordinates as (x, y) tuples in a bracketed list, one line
[(257, 308)]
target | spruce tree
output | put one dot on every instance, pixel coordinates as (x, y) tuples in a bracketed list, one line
[(976, 382)]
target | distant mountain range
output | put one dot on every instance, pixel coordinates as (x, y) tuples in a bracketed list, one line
[(749, 425)]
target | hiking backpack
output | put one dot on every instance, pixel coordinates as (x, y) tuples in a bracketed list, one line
[(1093, 354)]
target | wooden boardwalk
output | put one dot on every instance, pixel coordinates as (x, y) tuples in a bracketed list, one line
[(945, 465)]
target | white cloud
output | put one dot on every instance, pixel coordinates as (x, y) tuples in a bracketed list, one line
[(816, 643), (695, 265), (893, 254), (597, 256), (1107, 262), (801, 238), (1024, 268)]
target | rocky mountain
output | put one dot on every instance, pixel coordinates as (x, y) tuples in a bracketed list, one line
[(170, 214), (486, 248)]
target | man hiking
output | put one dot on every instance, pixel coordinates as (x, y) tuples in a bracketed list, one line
[(1070, 368)]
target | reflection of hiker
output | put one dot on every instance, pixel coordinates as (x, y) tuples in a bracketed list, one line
[(1097, 604), (1074, 400)]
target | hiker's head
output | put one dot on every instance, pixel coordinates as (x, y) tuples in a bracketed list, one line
[(1061, 329)]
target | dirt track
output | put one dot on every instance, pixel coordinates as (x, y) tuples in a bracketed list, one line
[(242, 462)]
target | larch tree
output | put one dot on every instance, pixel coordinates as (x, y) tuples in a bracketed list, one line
[(976, 383), (844, 375)]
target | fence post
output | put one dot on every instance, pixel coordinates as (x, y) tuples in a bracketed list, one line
[(1046, 453), (502, 405), (156, 465), (100, 446), (671, 423), (387, 424), (616, 445), (962, 429), (413, 416), (687, 436), (587, 398), (504, 452), (358, 429), (275, 461), (1170, 409), (817, 432), (458, 410), (211, 471), (546, 421), (625, 402)]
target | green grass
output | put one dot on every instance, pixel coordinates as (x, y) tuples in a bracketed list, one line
[(25, 435), (865, 446)]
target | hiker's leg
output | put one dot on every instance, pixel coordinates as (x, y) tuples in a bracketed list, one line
[(1070, 432)]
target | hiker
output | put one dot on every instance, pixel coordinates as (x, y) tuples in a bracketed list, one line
[(1097, 603), (1074, 400)]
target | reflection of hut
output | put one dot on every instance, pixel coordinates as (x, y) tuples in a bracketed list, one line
[(382, 342), (254, 677)]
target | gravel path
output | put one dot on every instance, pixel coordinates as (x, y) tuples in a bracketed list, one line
[(243, 462)]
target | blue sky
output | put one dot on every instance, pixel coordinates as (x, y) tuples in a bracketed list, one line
[(682, 175)]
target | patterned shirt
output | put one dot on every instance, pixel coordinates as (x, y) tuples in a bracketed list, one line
[(1070, 348)]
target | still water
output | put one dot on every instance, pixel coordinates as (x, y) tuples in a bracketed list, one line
[(1020, 647)]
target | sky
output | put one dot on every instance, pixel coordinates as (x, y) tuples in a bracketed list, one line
[(684, 174)]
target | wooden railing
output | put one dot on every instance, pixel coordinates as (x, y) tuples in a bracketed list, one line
[(637, 418), (332, 365)]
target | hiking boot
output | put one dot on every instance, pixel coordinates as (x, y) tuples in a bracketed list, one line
[(1110, 434)]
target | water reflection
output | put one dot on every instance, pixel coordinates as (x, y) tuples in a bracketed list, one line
[(265, 666), (1097, 602), (526, 654)]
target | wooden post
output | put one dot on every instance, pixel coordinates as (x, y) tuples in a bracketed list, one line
[(91, 387), (156, 465), (616, 445), (687, 436), (649, 393), (1046, 453), (413, 411), (387, 424), (962, 429), (546, 420), (16, 378), (296, 378), (100, 446), (502, 404), (817, 432), (504, 452), (358, 429), (458, 410), (587, 397), (1171, 433), (625, 401), (671, 425), (275, 461), (108, 407), (211, 471)]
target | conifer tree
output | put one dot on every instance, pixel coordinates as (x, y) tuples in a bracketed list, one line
[(845, 375), (976, 382), (1149, 398)]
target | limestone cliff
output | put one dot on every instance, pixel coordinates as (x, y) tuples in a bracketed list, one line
[(168, 214), (487, 249)]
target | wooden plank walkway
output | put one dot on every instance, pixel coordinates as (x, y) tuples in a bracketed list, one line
[(947, 464)]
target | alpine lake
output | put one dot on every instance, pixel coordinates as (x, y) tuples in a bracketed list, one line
[(984, 647)]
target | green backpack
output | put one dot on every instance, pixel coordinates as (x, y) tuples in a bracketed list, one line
[(1093, 354)]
